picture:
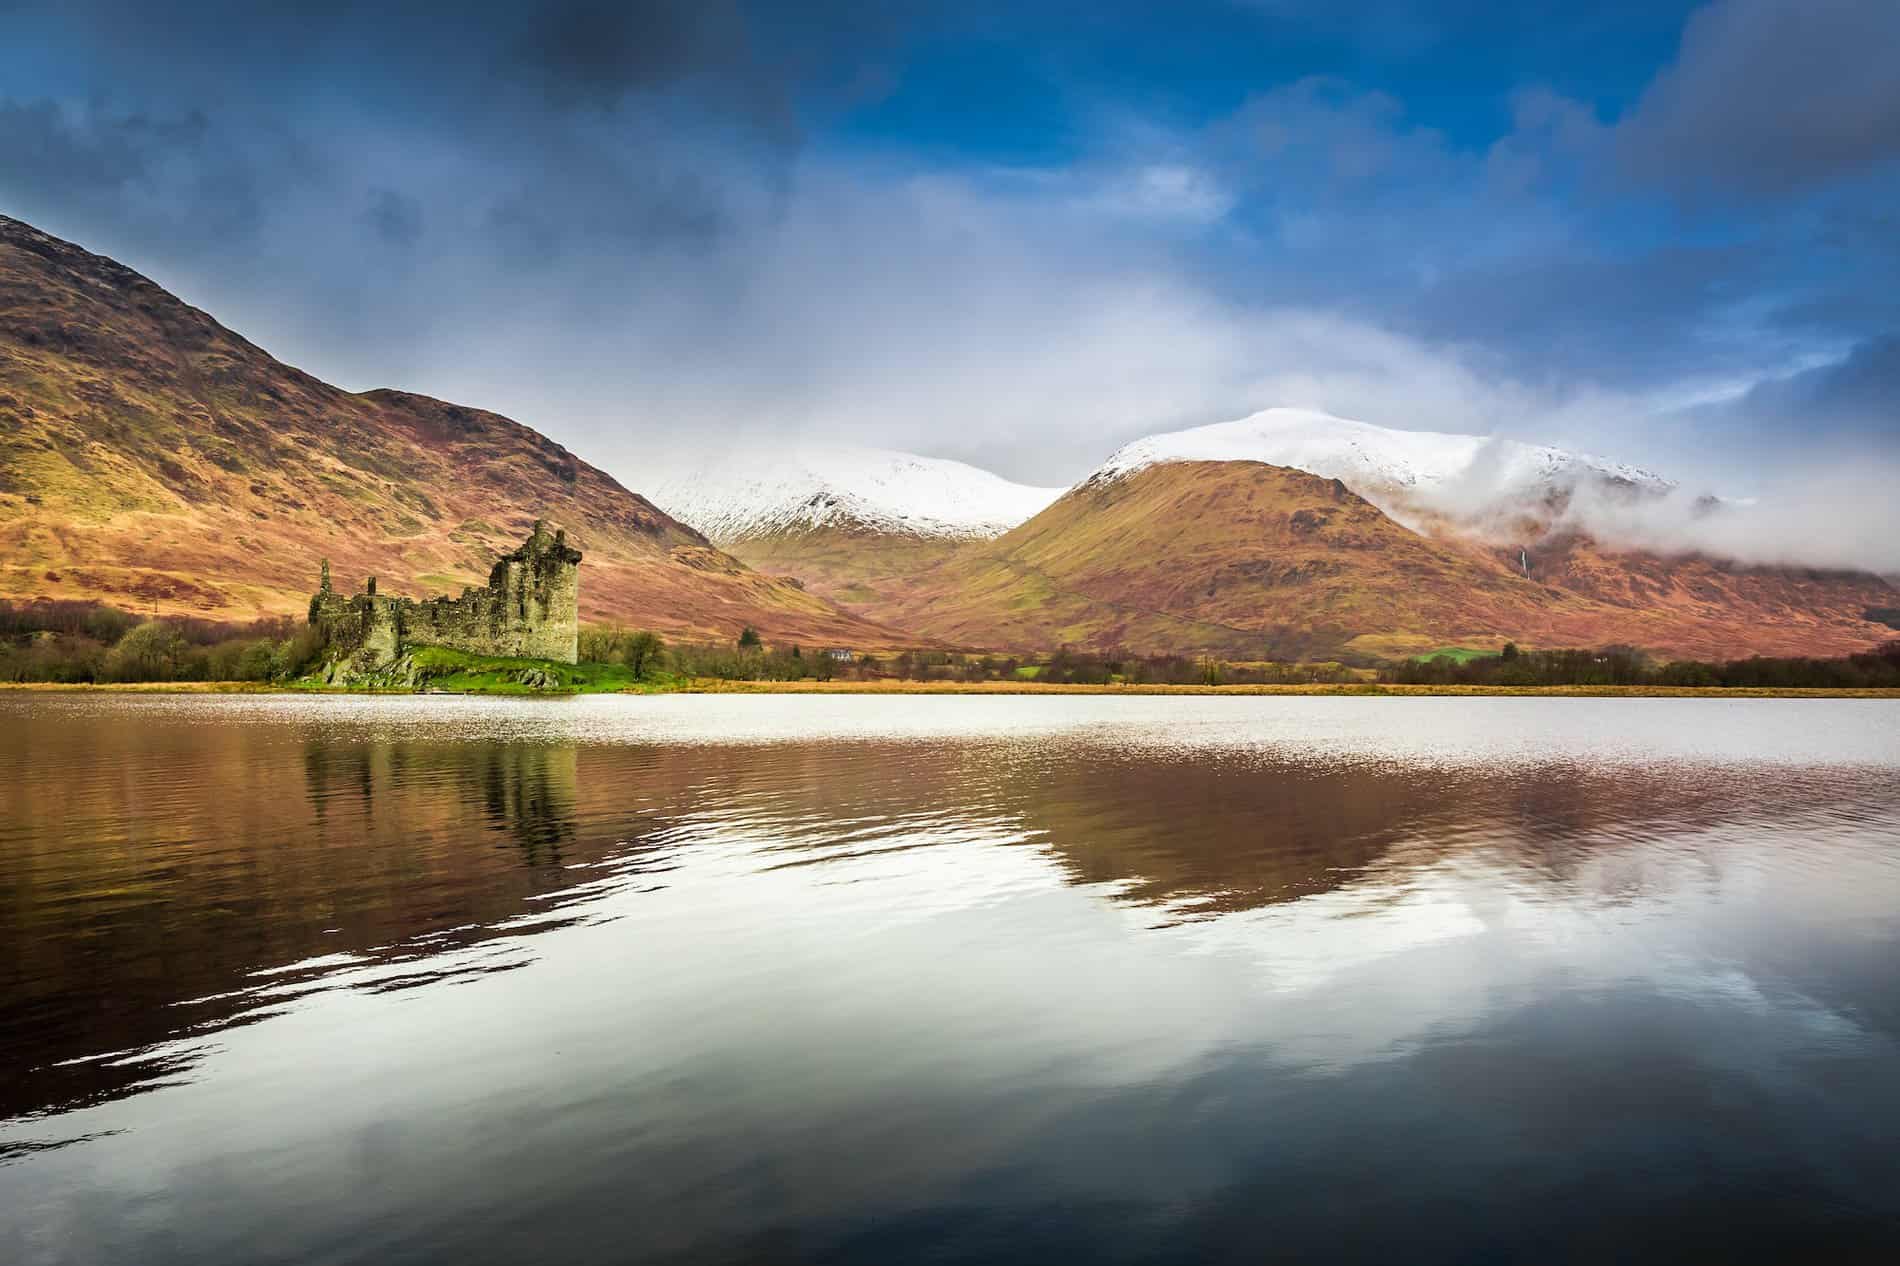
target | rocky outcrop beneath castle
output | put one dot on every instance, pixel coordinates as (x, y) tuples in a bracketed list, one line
[(529, 609)]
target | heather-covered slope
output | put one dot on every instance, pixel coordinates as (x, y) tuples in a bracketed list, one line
[(153, 459), (1247, 559), (859, 570), (1723, 607), (1232, 557)]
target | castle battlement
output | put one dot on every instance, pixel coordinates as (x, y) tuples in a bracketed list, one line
[(530, 608)]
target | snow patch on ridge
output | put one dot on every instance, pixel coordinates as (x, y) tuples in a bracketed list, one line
[(1375, 460), (739, 498)]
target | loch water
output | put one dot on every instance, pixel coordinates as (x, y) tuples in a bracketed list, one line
[(948, 979)]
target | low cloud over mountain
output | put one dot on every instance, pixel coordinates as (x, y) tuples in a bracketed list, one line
[(987, 232)]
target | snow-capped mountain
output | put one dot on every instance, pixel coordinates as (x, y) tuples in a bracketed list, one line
[(735, 499), (1470, 472)]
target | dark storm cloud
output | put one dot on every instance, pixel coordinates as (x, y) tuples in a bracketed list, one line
[(41, 148), (177, 179), (591, 52), (601, 49), (498, 67), (163, 130), (1771, 97)]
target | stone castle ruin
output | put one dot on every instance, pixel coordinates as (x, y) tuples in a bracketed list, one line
[(530, 609)]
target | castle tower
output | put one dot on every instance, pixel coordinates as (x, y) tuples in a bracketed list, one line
[(537, 595)]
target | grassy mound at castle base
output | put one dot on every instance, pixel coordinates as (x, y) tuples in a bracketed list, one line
[(440, 668)]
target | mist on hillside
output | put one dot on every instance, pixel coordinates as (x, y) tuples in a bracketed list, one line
[(1829, 513)]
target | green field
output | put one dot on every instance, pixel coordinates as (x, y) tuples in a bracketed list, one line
[(1458, 654)]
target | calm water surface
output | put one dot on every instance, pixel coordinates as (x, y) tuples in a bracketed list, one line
[(948, 979)]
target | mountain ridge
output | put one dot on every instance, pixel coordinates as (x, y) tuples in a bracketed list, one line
[(152, 458), (1444, 483), (1252, 560), (1502, 516), (1346, 449)]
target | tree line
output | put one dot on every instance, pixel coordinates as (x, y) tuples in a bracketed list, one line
[(74, 642), (748, 658), (66, 641), (1627, 666)]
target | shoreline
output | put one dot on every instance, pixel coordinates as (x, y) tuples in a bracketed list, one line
[(1366, 689), (709, 686)]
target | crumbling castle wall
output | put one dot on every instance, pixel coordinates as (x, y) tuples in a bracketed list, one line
[(529, 609)]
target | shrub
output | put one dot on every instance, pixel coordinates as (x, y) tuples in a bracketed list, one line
[(152, 651), (639, 651)]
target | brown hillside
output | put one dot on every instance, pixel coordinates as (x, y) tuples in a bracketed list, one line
[(1766, 610), (860, 569), (151, 458), (1248, 559)]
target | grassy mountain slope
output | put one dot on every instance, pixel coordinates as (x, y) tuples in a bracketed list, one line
[(1243, 558), (860, 570), (151, 458), (1234, 557)]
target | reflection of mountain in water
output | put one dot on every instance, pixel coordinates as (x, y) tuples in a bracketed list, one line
[(1214, 832), (148, 863)]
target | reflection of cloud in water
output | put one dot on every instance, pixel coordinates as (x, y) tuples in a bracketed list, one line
[(757, 1044), (1405, 954), (916, 915)]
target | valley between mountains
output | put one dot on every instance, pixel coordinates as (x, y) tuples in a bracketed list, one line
[(154, 460)]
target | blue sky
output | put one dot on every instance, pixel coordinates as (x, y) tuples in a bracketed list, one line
[(1019, 234), (1044, 72)]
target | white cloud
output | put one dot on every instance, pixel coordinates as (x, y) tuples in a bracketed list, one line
[(1825, 515), (1166, 191)]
